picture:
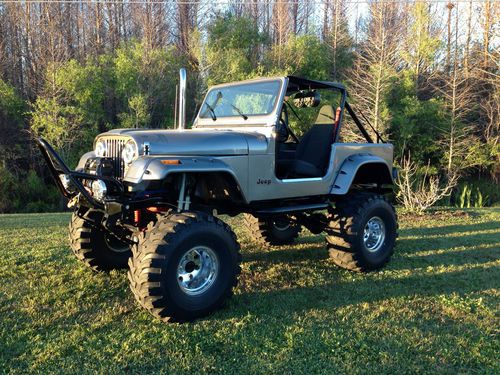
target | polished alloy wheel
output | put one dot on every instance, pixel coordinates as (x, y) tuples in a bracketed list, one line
[(197, 270), (374, 234)]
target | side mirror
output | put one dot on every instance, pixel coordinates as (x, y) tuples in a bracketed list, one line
[(306, 99)]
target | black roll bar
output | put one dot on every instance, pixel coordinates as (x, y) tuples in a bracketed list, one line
[(57, 167)]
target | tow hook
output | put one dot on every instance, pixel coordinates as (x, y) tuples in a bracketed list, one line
[(73, 201)]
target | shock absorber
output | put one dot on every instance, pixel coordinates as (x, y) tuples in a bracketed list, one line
[(137, 217)]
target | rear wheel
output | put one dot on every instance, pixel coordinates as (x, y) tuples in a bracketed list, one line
[(362, 232), (184, 266), (280, 230), (94, 247)]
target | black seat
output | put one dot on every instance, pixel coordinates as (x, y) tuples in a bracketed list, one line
[(313, 151)]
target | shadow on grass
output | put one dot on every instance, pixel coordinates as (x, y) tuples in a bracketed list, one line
[(449, 229), (452, 258), (477, 250), (316, 248), (399, 262), (338, 294), (413, 245), (277, 255)]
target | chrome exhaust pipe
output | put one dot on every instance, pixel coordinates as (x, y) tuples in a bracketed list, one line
[(182, 99)]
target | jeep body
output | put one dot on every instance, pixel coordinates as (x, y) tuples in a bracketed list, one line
[(240, 156), (232, 154)]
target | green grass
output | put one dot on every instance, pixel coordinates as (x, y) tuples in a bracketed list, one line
[(434, 308)]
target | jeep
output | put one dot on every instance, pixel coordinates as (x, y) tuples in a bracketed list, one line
[(150, 200)]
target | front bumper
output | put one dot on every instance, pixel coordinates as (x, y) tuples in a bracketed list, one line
[(57, 167), (119, 205), (119, 209)]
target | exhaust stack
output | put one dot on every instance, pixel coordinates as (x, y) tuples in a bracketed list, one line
[(182, 99)]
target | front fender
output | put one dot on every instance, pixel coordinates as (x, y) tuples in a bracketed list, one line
[(357, 163), (152, 168), (83, 160)]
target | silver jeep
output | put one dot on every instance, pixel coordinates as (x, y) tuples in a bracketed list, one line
[(149, 199)]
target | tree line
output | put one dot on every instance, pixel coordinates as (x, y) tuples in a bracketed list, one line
[(424, 74)]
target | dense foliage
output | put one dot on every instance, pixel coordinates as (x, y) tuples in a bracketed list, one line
[(435, 95)]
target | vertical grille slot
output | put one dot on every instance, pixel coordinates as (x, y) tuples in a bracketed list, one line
[(115, 148)]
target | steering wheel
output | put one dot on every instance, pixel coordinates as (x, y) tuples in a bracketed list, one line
[(290, 131), (283, 131)]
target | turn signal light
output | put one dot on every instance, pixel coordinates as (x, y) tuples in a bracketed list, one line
[(170, 162)]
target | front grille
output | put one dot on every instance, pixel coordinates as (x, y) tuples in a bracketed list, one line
[(114, 151)]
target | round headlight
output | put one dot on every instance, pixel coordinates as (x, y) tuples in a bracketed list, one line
[(129, 153), (99, 190), (66, 182), (101, 149)]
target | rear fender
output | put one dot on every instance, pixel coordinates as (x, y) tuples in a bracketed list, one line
[(363, 169)]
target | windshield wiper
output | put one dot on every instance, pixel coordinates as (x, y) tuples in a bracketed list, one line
[(245, 117), (212, 111)]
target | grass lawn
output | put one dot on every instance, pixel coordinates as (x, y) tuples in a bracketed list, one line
[(434, 308)]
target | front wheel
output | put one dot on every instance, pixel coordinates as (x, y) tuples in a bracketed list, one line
[(362, 232), (95, 247), (184, 266)]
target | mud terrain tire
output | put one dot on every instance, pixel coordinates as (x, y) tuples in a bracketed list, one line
[(184, 266), (95, 248), (271, 232), (362, 231)]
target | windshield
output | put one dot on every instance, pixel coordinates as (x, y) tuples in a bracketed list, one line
[(247, 99)]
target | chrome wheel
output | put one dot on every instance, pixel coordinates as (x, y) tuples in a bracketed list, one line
[(197, 270), (374, 234)]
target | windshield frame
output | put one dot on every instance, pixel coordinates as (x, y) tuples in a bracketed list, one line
[(237, 120)]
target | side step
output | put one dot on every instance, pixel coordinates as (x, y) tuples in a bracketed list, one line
[(291, 209)]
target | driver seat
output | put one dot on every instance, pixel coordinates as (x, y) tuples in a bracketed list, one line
[(313, 151)]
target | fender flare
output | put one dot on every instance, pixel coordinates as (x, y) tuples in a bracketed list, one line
[(152, 168), (353, 164), (83, 160)]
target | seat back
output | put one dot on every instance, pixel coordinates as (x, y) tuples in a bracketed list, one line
[(326, 116), (315, 145)]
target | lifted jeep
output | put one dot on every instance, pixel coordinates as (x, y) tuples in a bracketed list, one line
[(149, 199)]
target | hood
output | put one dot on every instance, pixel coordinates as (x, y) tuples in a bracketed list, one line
[(194, 142)]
